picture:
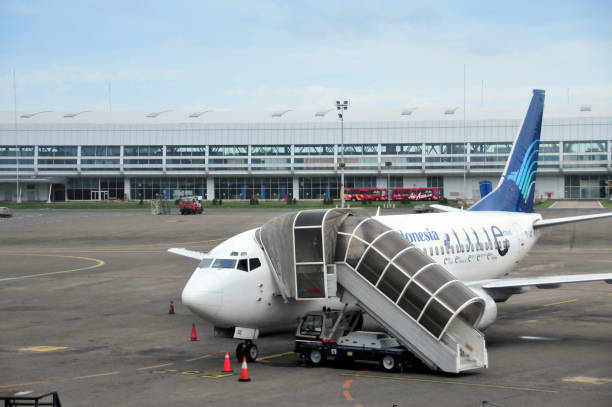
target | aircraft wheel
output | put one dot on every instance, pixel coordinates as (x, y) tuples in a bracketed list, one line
[(251, 352), (316, 357), (353, 199), (388, 363), (240, 351)]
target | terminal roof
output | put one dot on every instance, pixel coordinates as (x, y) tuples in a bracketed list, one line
[(354, 114)]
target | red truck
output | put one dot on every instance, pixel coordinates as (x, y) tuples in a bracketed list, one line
[(190, 204), (415, 194)]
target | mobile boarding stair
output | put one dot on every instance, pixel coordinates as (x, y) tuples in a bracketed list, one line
[(327, 253)]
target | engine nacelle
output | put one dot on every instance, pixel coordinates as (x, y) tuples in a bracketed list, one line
[(490, 313)]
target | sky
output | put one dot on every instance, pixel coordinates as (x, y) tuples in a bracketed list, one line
[(259, 55)]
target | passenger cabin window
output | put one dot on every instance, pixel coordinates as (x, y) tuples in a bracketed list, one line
[(254, 263), (243, 265), (205, 263)]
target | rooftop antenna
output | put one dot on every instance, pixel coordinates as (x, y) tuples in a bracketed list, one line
[(464, 143), (482, 93)]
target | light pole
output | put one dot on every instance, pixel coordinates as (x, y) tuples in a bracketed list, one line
[(18, 199), (388, 164), (340, 106)]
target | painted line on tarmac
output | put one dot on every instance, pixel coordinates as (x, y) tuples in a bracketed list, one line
[(278, 355), (142, 247), (561, 302), (490, 386), (154, 367), (347, 384), (99, 263), (198, 358), (587, 380), (216, 376), (6, 386), (347, 395), (42, 348), (95, 375)]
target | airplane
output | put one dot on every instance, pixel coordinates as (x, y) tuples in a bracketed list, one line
[(234, 286)]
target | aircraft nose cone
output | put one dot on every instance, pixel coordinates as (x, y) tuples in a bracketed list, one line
[(203, 296)]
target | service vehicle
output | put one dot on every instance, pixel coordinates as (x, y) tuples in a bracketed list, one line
[(355, 194), (376, 194), (331, 335), (415, 194), (5, 212), (190, 205)]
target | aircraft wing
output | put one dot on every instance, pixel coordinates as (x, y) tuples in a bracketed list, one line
[(559, 221), (188, 253), (444, 208), (501, 289)]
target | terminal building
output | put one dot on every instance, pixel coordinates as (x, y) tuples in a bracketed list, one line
[(86, 155)]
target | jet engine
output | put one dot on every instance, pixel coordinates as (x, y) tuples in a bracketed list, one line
[(490, 311)]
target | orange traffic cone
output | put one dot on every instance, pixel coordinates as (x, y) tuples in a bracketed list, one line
[(194, 335), (244, 372), (227, 368), (171, 310)]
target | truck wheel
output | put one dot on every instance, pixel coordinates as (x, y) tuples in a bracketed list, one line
[(353, 199), (315, 357), (388, 363)]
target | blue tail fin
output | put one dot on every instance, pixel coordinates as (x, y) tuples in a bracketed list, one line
[(516, 188)]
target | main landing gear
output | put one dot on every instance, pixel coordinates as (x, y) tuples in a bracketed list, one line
[(247, 349)]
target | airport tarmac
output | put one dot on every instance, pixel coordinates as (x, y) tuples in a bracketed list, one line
[(84, 298)]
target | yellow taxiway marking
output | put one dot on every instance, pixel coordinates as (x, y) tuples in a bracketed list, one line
[(6, 386), (278, 355), (216, 376), (42, 348), (561, 302), (587, 380), (99, 263), (490, 386), (95, 375), (154, 367)]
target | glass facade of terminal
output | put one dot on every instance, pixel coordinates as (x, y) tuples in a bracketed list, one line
[(297, 160)]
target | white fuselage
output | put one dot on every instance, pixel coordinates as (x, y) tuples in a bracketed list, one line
[(473, 246)]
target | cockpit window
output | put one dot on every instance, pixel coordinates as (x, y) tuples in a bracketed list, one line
[(205, 263), (224, 264), (242, 265), (254, 263)]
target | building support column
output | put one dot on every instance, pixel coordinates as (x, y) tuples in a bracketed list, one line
[(127, 188), (210, 188), (296, 188)]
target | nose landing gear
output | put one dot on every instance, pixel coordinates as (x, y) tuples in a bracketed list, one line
[(247, 349)]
